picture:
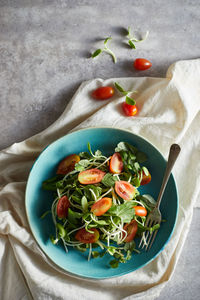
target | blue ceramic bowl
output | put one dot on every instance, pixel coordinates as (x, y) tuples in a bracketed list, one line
[(38, 201)]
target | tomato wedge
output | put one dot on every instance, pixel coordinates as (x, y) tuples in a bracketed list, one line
[(100, 207), (145, 178), (62, 207), (103, 93), (67, 164), (131, 229), (91, 176), (124, 189), (86, 237), (116, 163), (140, 211)]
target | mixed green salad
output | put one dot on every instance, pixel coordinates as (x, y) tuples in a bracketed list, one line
[(97, 204)]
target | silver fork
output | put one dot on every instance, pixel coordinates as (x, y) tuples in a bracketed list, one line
[(154, 216)]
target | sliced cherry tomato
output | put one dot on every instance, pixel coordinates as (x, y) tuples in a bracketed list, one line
[(145, 178), (142, 64), (131, 229), (140, 211), (129, 110), (116, 163), (124, 189), (67, 164), (91, 176), (100, 207), (62, 207), (103, 93), (86, 237)]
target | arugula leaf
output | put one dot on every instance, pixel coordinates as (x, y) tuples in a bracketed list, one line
[(125, 211)]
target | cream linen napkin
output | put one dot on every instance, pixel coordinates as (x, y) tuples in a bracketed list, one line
[(168, 113)]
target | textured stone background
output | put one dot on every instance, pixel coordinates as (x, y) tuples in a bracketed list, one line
[(44, 56)]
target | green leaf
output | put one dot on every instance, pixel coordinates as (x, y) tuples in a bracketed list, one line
[(82, 164), (131, 44), (106, 40), (61, 230), (98, 153), (146, 172), (120, 89), (73, 216), (84, 204), (95, 254), (130, 101), (130, 246), (122, 146), (141, 157), (114, 263), (124, 211), (96, 53), (109, 180)]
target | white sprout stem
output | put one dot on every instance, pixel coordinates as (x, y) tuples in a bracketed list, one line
[(90, 252), (104, 162), (53, 210), (58, 192), (117, 175), (93, 194), (76, 229), (139, 203), (105, 194), (113, 197), (64, 243), (74, 205)]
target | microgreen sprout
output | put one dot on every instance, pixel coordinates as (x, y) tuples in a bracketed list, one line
[(105, 49), (132, 39), (128, 99)]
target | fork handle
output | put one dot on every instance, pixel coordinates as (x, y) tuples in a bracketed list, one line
[(173, 154)]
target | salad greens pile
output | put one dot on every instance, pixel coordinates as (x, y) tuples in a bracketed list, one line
[(106, 233)]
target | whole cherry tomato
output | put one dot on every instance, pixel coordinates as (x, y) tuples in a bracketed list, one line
[(131, 229), (124, 189), (103, 93), (142, 64), (145, 178), (116, 163), (140, 211), (101, 206), (86, 237), (67, 164), (91, 176), (129, 110), (62, 207)]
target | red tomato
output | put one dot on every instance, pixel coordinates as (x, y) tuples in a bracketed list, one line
[(145, 178), (91, 176), (103, 93), (124, 189), (116, 164), (129, 110), (86, 237), (62, 207), (140, 211), (131, 229), (100, 207), (142, 64), (67, 164)]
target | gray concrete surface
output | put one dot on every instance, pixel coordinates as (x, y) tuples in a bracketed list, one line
[(44, 56)]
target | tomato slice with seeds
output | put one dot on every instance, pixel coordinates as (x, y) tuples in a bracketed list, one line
[(86, 237), (67, 164), (131, 229), (62, 207), (103, 93), (116, 163), (101, 206), (145, 178), (124, 189), (91, 176), (140, 211)]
